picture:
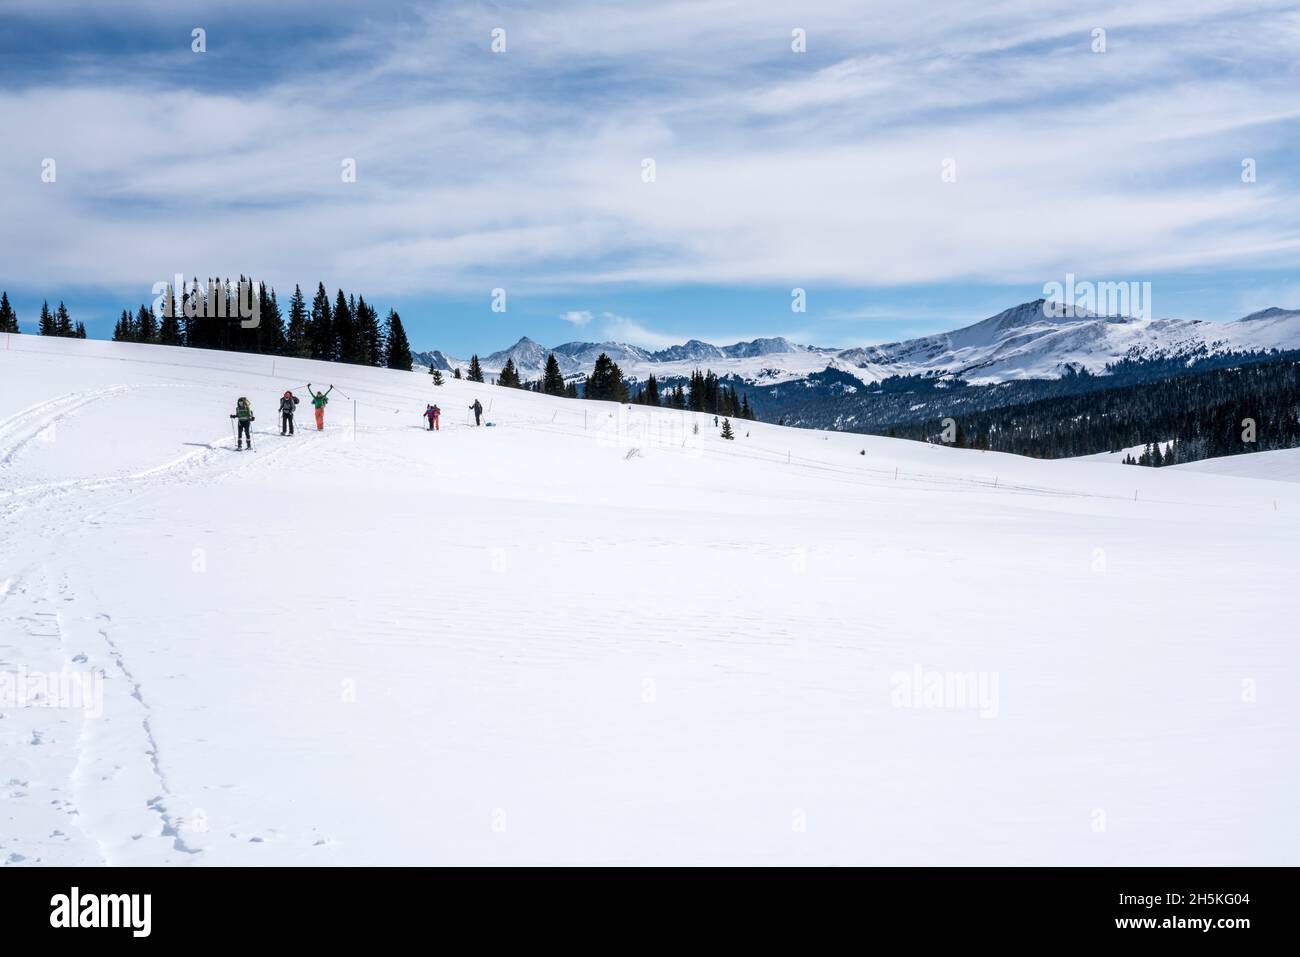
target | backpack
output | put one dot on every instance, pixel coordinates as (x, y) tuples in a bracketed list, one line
[(243, 409)]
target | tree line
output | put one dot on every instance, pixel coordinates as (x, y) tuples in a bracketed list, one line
[(702, 393), (55, 322), (222, 315), (1219, 411)]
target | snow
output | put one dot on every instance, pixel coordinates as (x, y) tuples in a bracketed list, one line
[(1279, 465), (531, 644)]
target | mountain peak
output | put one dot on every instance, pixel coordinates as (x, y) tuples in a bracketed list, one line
[(1272, 312)]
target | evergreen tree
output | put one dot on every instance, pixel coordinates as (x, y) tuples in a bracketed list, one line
[(456, 372), (295, 334), (122, 332), (321, 325), (475, 370), (509, 375), (63, 322), (80, 331), (369, 334), (726, 429), (345, 330), (606, 381), (571, 390), (169, 326), (8, 318), (437, 376), (46, 327), (552, 378), (399, 349), (146, 326)]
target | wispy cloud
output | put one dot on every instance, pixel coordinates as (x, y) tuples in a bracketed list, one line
[(524, 169)]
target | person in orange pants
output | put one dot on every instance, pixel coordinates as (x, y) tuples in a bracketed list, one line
[(319, 400)]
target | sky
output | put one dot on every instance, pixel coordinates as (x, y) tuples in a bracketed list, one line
[(913, 169)]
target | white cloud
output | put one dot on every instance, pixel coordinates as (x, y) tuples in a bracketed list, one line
[(579, 317), (476, 171)]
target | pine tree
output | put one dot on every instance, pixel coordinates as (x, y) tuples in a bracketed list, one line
[(122, 330), (475, 370), (456, 372), (63, 322), (46, 327), (79, 332), (321, 325), (437, 376), (606, 381), (369, 334), (399, 349), (509, 375), (146, 326), (552, 378), (345, 331), (571, 390), (8, 318), (726, 429), (295, 332)]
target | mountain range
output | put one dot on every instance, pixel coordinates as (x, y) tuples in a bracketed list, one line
[(1028, 341)]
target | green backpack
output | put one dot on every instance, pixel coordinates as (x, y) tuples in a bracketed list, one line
[(242, 409)]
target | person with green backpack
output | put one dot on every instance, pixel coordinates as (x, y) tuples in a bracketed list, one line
[(319, 400), (244, 413)]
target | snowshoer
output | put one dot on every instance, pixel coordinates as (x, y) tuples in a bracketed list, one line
[(478, 412), (288, 403), (436, 413), (244, 413), (319, 400), (430, 415)]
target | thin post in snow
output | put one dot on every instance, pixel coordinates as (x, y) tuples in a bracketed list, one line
[(354, 420), (272, 368)]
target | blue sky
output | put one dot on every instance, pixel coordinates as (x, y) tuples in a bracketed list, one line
[(774, 169)]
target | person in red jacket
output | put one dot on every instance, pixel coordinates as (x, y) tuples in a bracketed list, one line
[(436, 413), (431, 416)]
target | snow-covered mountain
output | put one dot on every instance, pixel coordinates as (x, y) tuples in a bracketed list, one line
[(1026, 341)]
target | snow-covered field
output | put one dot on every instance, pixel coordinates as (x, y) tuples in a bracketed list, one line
[(589, 635)]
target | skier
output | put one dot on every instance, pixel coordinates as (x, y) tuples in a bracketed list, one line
[(430, 415), (244, 413), (319, 400), (715, 421), (288, 404), (436, 413), (478, 412)]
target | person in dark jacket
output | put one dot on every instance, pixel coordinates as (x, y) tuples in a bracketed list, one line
[(244, 413), (288, 404), (478, 412)]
